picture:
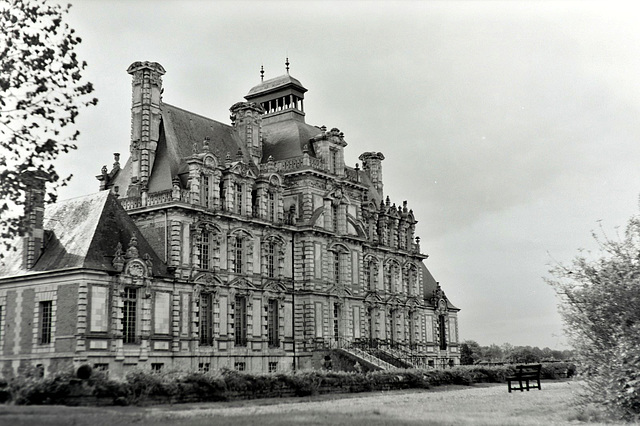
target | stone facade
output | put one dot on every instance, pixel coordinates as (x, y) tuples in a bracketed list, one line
[(252, 246)]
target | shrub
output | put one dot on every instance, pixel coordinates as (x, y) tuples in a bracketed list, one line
[(30, 389), (600, 305)]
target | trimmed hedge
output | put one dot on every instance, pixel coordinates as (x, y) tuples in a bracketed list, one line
[(146, 387)]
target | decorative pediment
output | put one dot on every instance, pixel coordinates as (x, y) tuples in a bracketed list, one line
[(273, 290), (242, 284), (274, 286), (413, 303), (394, 300), (373, 299), (242, 169), (339, 291)]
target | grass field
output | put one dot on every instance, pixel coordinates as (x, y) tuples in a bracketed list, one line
[(447, 405)]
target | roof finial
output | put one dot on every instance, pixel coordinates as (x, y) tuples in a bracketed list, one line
[(261, 73), (287, 64)]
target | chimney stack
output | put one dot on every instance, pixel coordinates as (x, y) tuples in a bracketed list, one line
[(145, 121), (33, 220)]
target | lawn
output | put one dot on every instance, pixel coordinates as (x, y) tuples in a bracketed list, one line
[(446, 405)]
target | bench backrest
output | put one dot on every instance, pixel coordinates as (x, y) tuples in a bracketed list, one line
[(528, 369)]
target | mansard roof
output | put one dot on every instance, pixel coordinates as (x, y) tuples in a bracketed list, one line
[(84, 233), (430, 285), (287, 139), (179, 131)]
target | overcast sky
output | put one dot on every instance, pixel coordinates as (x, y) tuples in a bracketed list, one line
[(511, 128)]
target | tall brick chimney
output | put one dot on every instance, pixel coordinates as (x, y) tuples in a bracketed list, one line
[(145, 121), (33, 221), (372, 164)]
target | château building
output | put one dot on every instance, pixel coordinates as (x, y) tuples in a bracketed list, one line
[(249, 245)]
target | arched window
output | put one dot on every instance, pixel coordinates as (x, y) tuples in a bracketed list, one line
[(371, 274)]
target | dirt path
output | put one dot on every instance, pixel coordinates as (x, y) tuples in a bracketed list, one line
[(452, 405)]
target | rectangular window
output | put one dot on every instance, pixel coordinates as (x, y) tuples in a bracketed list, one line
[(206, 320), (238, 255), (206, 191), (442, 331), (336, 321), (204, 367), (204, 250), (336, 267), (271, 257), (101, 367), (1, 330), (239, 366), (334, 160), (240, 317), (129, 315), (271, 206), (273, 324), (156, 367), (388, 278), (223, 198), (334, 218), (239, 196), (273, 366), (46, 315), (412, 327)]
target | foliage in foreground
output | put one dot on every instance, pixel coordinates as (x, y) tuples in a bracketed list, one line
[(600, 305), (42, 91), (144, 386)]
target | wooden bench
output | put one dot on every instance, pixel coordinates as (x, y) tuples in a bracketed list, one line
[(525, 375)]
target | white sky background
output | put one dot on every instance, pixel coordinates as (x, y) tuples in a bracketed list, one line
[(511, 128)]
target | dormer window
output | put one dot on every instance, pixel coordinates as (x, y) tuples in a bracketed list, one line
[(271, 206), (205, 191), (239, 196)]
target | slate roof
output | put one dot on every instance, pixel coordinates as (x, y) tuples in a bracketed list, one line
[(82, 232), (286, 139), (430, 284), (179, 130)]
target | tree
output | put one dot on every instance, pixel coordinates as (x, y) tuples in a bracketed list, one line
[(600, 306), (41, 92), (469, 352)]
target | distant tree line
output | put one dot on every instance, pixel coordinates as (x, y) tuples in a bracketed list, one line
[(472, 353)]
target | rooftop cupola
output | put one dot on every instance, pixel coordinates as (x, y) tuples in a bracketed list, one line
[(281, 97)]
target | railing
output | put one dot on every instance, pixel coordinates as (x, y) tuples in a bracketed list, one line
[(130, 203), (160, 197), (352, 174)]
